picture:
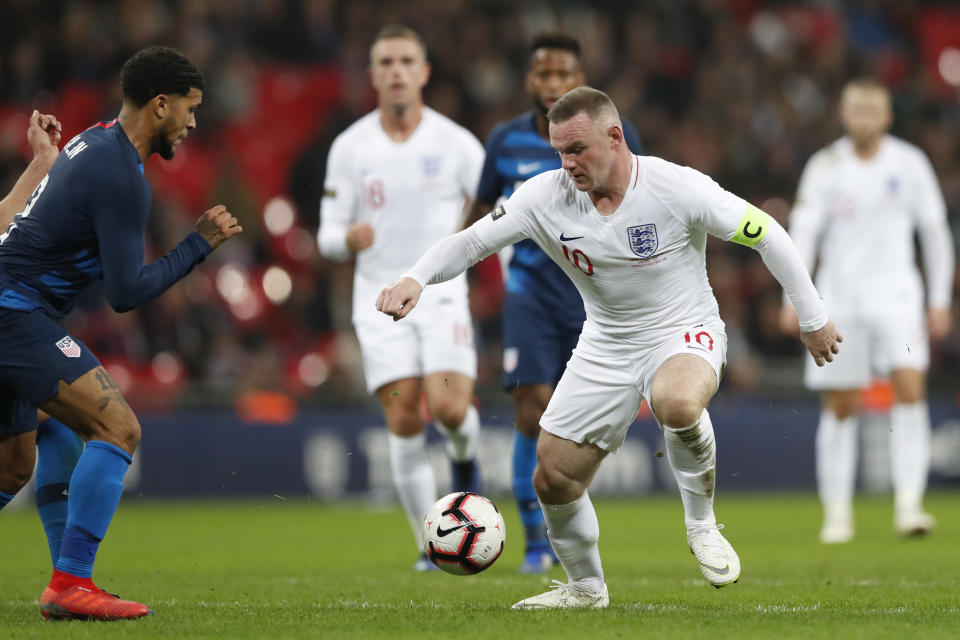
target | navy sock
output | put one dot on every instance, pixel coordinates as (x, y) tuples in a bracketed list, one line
[(524, 462), (5, 499), (95, 490), (58, 450)]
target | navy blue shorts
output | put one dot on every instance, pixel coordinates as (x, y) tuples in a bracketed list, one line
[(536, 344), (35, 355)]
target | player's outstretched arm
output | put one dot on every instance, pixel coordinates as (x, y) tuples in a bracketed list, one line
[(823, 343), (43, 134), (217, 226), (399, 299)]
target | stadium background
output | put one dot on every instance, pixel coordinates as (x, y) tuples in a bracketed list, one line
[(252, 359)]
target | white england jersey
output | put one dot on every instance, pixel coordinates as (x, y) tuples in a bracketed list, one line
[(641, 271), (859, 218), (411, 192)]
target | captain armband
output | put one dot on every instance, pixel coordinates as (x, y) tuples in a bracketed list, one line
[(752, 228)]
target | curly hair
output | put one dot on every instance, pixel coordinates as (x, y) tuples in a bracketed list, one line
[(156, 70)]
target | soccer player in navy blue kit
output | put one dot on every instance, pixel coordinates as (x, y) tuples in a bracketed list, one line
[(86, 221), (543, 313)]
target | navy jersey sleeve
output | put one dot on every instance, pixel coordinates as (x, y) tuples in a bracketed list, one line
[(632, 137), (119, 206), (490, 187)]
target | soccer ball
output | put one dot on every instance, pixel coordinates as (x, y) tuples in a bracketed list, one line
[(463, 533)]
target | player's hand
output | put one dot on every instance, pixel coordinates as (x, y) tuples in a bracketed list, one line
[(43, 134), (359, 237), (400, 298), (787, 320), (217, 225), (823, 343), (938, 322)]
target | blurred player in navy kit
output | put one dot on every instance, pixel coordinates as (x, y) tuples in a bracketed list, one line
[(543, 313), (57, 447), (86, 221)]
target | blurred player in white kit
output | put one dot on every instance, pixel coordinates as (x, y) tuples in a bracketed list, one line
[(397, 181), (860, 201), (630, 231)]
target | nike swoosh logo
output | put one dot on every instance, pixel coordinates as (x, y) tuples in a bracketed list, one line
[(716, 570), (563, 238), (441, 532), (524, 168)]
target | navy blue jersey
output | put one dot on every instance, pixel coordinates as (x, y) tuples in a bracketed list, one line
[(85, 221), (516, 152)]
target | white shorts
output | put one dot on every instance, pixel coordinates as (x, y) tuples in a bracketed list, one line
[(435, 337), (598, 397), (872, 348)]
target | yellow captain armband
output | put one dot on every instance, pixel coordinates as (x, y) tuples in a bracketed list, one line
[(752, 228)]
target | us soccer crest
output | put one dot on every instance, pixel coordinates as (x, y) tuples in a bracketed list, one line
[(643, 239)]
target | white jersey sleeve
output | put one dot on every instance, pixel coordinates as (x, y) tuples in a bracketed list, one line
[(808, 213), (935, 236), (703, 204), (337, 208), (455, 254)]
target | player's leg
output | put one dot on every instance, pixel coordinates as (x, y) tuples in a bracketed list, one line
[(413, 478), (52, 371), (836, 435), (910, 451), (450, 402), (836, 463), (686, 372), (448, 353), (392, 369), (18, 453), (564, 471), (94, 408), (902, 349), (58, 451), (588, 416), (530, 401)]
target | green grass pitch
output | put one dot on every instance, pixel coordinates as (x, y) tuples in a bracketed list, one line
[(276, 568)]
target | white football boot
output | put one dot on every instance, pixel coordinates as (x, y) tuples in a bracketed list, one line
[(914, 524), (837, 524), (564, 595), (718, 561)]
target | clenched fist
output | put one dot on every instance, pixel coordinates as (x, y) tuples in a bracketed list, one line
[(399, 299), (217, 225)]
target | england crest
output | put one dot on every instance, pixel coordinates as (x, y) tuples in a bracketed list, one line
[(643, 239), (69, 348)]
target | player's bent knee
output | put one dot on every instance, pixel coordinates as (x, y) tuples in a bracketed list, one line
[(449, 414), (554, 487), (677, 411), (16, 475)]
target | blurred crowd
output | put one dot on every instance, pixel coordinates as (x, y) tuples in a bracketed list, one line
[(743, 90)]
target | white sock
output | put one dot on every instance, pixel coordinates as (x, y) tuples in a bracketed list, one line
[(412, 479), (836, 451), (909, 455), (462, 441), (574, 530), (692, 454)]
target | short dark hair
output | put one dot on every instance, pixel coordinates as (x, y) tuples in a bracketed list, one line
[(155, 70), (392, 31), (583, 99), (555, 40)]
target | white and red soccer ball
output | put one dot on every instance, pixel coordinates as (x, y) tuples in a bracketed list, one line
[(463, 533)]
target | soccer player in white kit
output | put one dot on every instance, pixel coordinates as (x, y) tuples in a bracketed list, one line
[(397, 181), (630, 231), (860, 201)]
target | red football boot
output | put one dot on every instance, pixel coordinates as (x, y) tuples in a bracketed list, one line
[(69, 597)]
